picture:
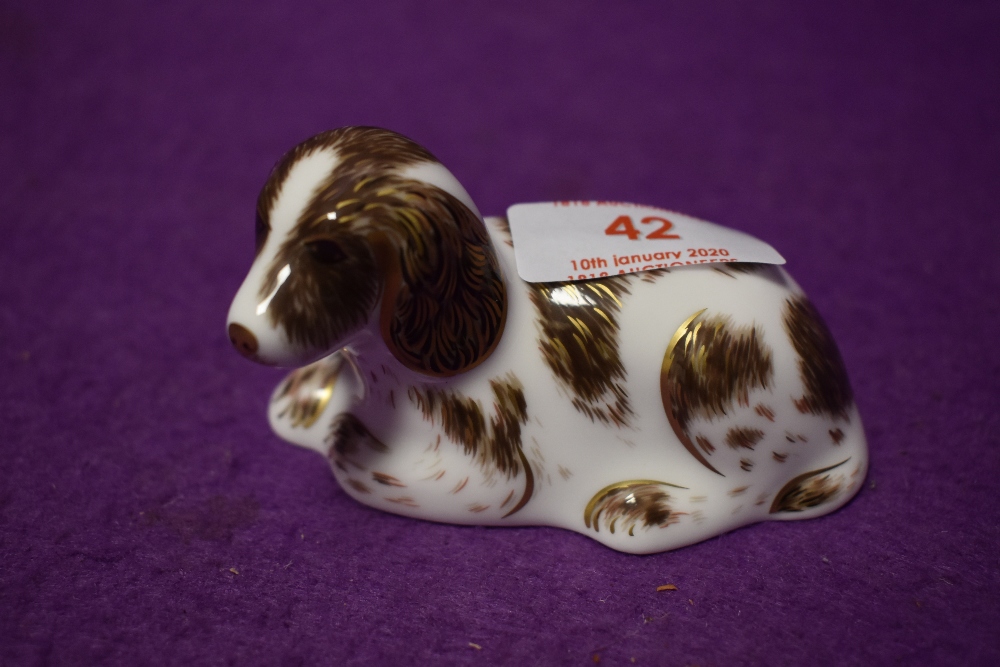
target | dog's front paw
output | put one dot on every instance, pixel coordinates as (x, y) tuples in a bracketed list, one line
[(304, 394), (298, 404)]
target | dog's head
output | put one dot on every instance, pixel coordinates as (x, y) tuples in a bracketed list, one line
[(362, 229)]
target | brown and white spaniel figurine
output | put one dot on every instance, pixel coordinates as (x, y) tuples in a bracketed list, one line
[(648, 411)]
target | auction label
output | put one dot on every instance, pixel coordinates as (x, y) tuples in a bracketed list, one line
[(580, 240)]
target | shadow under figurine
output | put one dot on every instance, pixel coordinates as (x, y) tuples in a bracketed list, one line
[(648, 411)]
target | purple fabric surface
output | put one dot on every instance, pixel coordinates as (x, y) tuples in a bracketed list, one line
[(148, 515)]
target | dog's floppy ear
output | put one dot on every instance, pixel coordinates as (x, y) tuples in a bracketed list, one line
[(444, 301)]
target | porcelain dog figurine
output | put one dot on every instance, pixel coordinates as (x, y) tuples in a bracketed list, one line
[(648, 411)]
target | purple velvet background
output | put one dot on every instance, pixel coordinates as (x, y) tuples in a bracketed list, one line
[(148, 515)]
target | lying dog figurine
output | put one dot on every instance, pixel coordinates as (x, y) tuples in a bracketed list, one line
[(648, 411)]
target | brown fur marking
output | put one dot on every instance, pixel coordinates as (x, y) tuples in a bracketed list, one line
[(347, 434), (729, 268), (652, 275), (387, 480), (504, 224), (765, 412), (404, 500), (745, 438), (808, 490), (497, 443), (644, 501), (420, 248), (710, 366), (828, 390), (705, 444), (308, 390), (382, 149), (579, 342), (358, 486)]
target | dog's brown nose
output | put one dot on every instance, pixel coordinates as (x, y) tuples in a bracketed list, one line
[(243, 339)]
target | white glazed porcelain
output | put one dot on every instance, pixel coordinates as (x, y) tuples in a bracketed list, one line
[(648, 411)]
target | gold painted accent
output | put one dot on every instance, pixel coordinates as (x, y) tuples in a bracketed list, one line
[(322, 398), (582, 326), (710, 366), (785, 500), (617, 486), (354, 145), (473, 307), (303, 411), (682, 331), (529, 484), (578, 336), (494, 442), (448, 315), (609, 293), (602, 314)]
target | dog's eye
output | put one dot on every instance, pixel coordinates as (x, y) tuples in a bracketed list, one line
[(325, 251)]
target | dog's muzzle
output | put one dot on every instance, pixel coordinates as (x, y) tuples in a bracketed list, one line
[(243, 340)]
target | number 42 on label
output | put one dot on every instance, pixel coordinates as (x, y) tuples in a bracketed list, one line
[(623, 226)]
